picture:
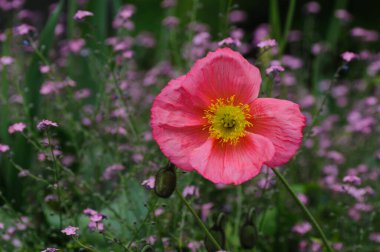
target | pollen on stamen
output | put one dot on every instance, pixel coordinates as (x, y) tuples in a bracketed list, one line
[(227, 121)]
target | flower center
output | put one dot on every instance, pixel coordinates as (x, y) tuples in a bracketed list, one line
[(227, 121)]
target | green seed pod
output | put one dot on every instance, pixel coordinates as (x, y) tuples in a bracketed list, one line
[(248, 232), (166, 181), (219, 236), (248, 236)]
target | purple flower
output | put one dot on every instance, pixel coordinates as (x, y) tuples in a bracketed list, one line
[(98, 217), (81, 14), (194, 246), (17, 127), (23, 173), (237, 16), (149, 183), (229, 42), (375, 237), (6, 61), (303, 198), (269, 43), (348, 56), (70, 230), (99, 226), (24, 29), (89, 212), (112, 171), (46, 124), (44, 69), (170, 22), (292, 62), (364, 34), (274, 69), (4, 148), (50, 250), (343, 15), (190, 191), (313, 7), (351, 179), (302, 228), (168, 3)]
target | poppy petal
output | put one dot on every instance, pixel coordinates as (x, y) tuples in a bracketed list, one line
[(222, 74), (280, 121), (174, 107), (232, 164)]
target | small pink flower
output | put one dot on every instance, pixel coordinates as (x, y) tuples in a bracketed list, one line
[(98, 217), (229, 42), (274, 69), (81, 14), (269, 43), (44, 69), (170, 21), (4, 148), (348, 56), (149, 183), (190, 191), (302, 228), (313, 7), (112, 171), (303, 198), (17, 127), (99, 226), (168, 3), (89, 212), (375, 237), (70, 230), (46, 124), (75, 45), (351, 179), (6, 60), (50, 250), (24, 29), (343, 15), (159, 211)]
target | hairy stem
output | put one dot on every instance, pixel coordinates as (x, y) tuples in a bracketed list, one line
[(304, 209), (200, 222)]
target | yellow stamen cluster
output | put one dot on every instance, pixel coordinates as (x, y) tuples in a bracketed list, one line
[(227, 121)]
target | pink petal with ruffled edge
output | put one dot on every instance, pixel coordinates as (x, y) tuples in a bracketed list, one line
[(176, 125), (228, 163), (175, 107), (222, 74), (281, 122)]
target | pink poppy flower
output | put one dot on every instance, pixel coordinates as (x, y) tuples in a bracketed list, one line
[(211, 121)]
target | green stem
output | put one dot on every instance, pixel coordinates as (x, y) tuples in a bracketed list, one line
[(304, 209), (288, 24), (83, 245), (200, 222), (274, 15), (56, 177)]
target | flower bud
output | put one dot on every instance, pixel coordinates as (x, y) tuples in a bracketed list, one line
[(248, 236), (248, 232), (165, 182)]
